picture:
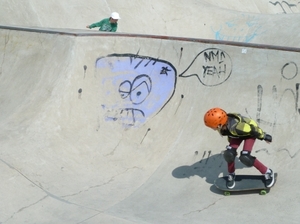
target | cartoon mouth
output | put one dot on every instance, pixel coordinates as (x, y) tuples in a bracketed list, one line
[(127, 116)]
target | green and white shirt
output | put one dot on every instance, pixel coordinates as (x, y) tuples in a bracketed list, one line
[(105, 25)]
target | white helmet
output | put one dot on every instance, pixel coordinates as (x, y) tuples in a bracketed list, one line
[(115, 15)]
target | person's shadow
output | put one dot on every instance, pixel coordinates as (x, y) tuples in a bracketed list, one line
[(208, 166)]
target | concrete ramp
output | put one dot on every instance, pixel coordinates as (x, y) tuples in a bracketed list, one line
[(108, 128)]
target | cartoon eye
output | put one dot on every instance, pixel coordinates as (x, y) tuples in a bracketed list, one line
[(125, 89), (141, 88)]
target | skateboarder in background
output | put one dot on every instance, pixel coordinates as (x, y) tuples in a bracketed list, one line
[(108, 24), (238, 129)]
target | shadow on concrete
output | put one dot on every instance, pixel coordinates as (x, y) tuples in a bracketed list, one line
[(210, 168)]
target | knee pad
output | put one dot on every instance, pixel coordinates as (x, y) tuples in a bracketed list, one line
[(230, 154), (246, 158)]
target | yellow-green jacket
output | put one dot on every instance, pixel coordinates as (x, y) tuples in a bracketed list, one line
[(239, 126)]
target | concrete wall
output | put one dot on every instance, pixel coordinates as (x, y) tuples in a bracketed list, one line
[(266, 22)]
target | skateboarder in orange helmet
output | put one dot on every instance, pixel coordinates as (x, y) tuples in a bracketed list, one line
[(239, 128)]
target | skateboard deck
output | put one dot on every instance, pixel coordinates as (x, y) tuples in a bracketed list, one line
[(244, 183)]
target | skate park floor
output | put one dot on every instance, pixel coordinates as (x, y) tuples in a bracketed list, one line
[(108, 127)]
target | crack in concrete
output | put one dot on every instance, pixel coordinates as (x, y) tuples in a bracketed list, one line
[(100, 185), (207, 207), (48, 194), (113, 151), (24, 208)]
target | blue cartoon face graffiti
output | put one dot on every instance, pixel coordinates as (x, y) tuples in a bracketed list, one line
[(135, 87)]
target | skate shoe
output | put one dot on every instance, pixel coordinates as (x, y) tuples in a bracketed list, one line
[(269, 178), (230, 181)]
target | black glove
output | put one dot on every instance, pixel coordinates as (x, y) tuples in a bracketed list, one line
[(268, 138)]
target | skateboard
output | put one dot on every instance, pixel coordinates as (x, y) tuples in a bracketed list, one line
[(245, 183)]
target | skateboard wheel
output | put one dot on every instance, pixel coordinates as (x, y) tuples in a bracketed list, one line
[(226, 193), (263, 192)]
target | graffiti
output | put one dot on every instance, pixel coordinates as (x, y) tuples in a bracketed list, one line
[(128, 116), (138, 90), (181, 50), (289, 153), (182, 96), (216, 67), (243, 29), (208, 156), (286, 7), (79, 93), (293, 93), (138, 87), (135, 87), (149, 129), (84, 73), (279, 150), (289, 71)]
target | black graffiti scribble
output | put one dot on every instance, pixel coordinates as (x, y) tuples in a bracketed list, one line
[(134, 58), (289, 70), (264, 150), (297, 96), (149, 129), (79, 93), (260, 91), (290, 6), (181, 50), (84, 68), (294, 94), (278, 150), (165, 70), (213, 69), (127, 115), (216, 67), (182, 96), (137, 90), (208, 156), (290, 155), (202, 156)]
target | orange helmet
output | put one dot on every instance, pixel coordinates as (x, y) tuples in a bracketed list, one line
[(215, 117)]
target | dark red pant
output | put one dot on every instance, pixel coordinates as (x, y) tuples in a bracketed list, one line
[(248, 146)]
